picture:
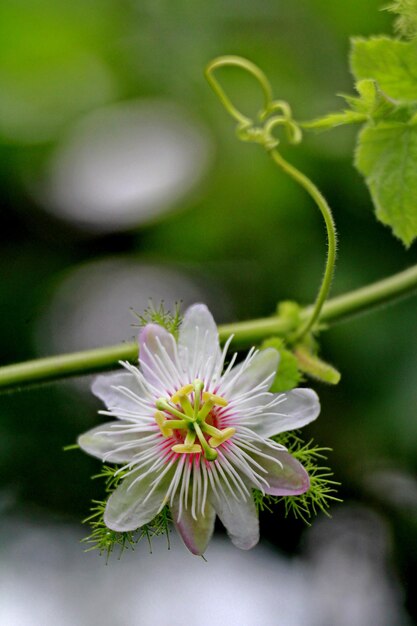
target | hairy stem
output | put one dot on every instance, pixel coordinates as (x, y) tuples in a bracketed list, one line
[(245, 334)]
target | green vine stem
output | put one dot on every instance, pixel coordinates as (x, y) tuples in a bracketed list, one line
[(248, 131), (274, 113), (321, 202), (245, 334)]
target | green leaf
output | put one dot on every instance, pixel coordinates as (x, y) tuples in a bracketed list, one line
[(372, 100), (392, 63), (387, 157), (386, 73), (372, 103), (406, 22)]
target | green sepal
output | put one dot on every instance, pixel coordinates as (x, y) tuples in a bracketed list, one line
[(288, 374), (309, 363), (290, 311)]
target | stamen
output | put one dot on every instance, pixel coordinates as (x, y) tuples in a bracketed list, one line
[(218, 400), (192, 420), (216, 441), (209, 453), (186, 405), (163, 405), (190, 439), (205, 410), (211, 430), (184, 391), (161, 420), (183, 449)]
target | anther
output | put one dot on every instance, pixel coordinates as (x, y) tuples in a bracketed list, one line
[(162, 423), (218, 400), (211, 430), (216, 440), (181, 448), (184, 391)]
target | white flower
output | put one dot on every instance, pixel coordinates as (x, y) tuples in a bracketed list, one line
[(195, 438)]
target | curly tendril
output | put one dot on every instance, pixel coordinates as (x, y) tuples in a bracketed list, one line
[(276, 113), (247, 130)]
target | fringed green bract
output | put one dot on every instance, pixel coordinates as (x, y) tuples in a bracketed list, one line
[(161, 316), (106, 540), (322, 490)]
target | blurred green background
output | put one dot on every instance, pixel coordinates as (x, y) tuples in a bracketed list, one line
[(122, 179)]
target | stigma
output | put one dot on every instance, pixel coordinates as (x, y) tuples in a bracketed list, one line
[(187, 415)]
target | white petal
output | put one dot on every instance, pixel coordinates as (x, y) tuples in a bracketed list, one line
[(198, 342), (286, 476), (195, 533), (297, 408), (157, 358), (240, 519), (131, 506), (107, 442), (106, 387), (260, 369)]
